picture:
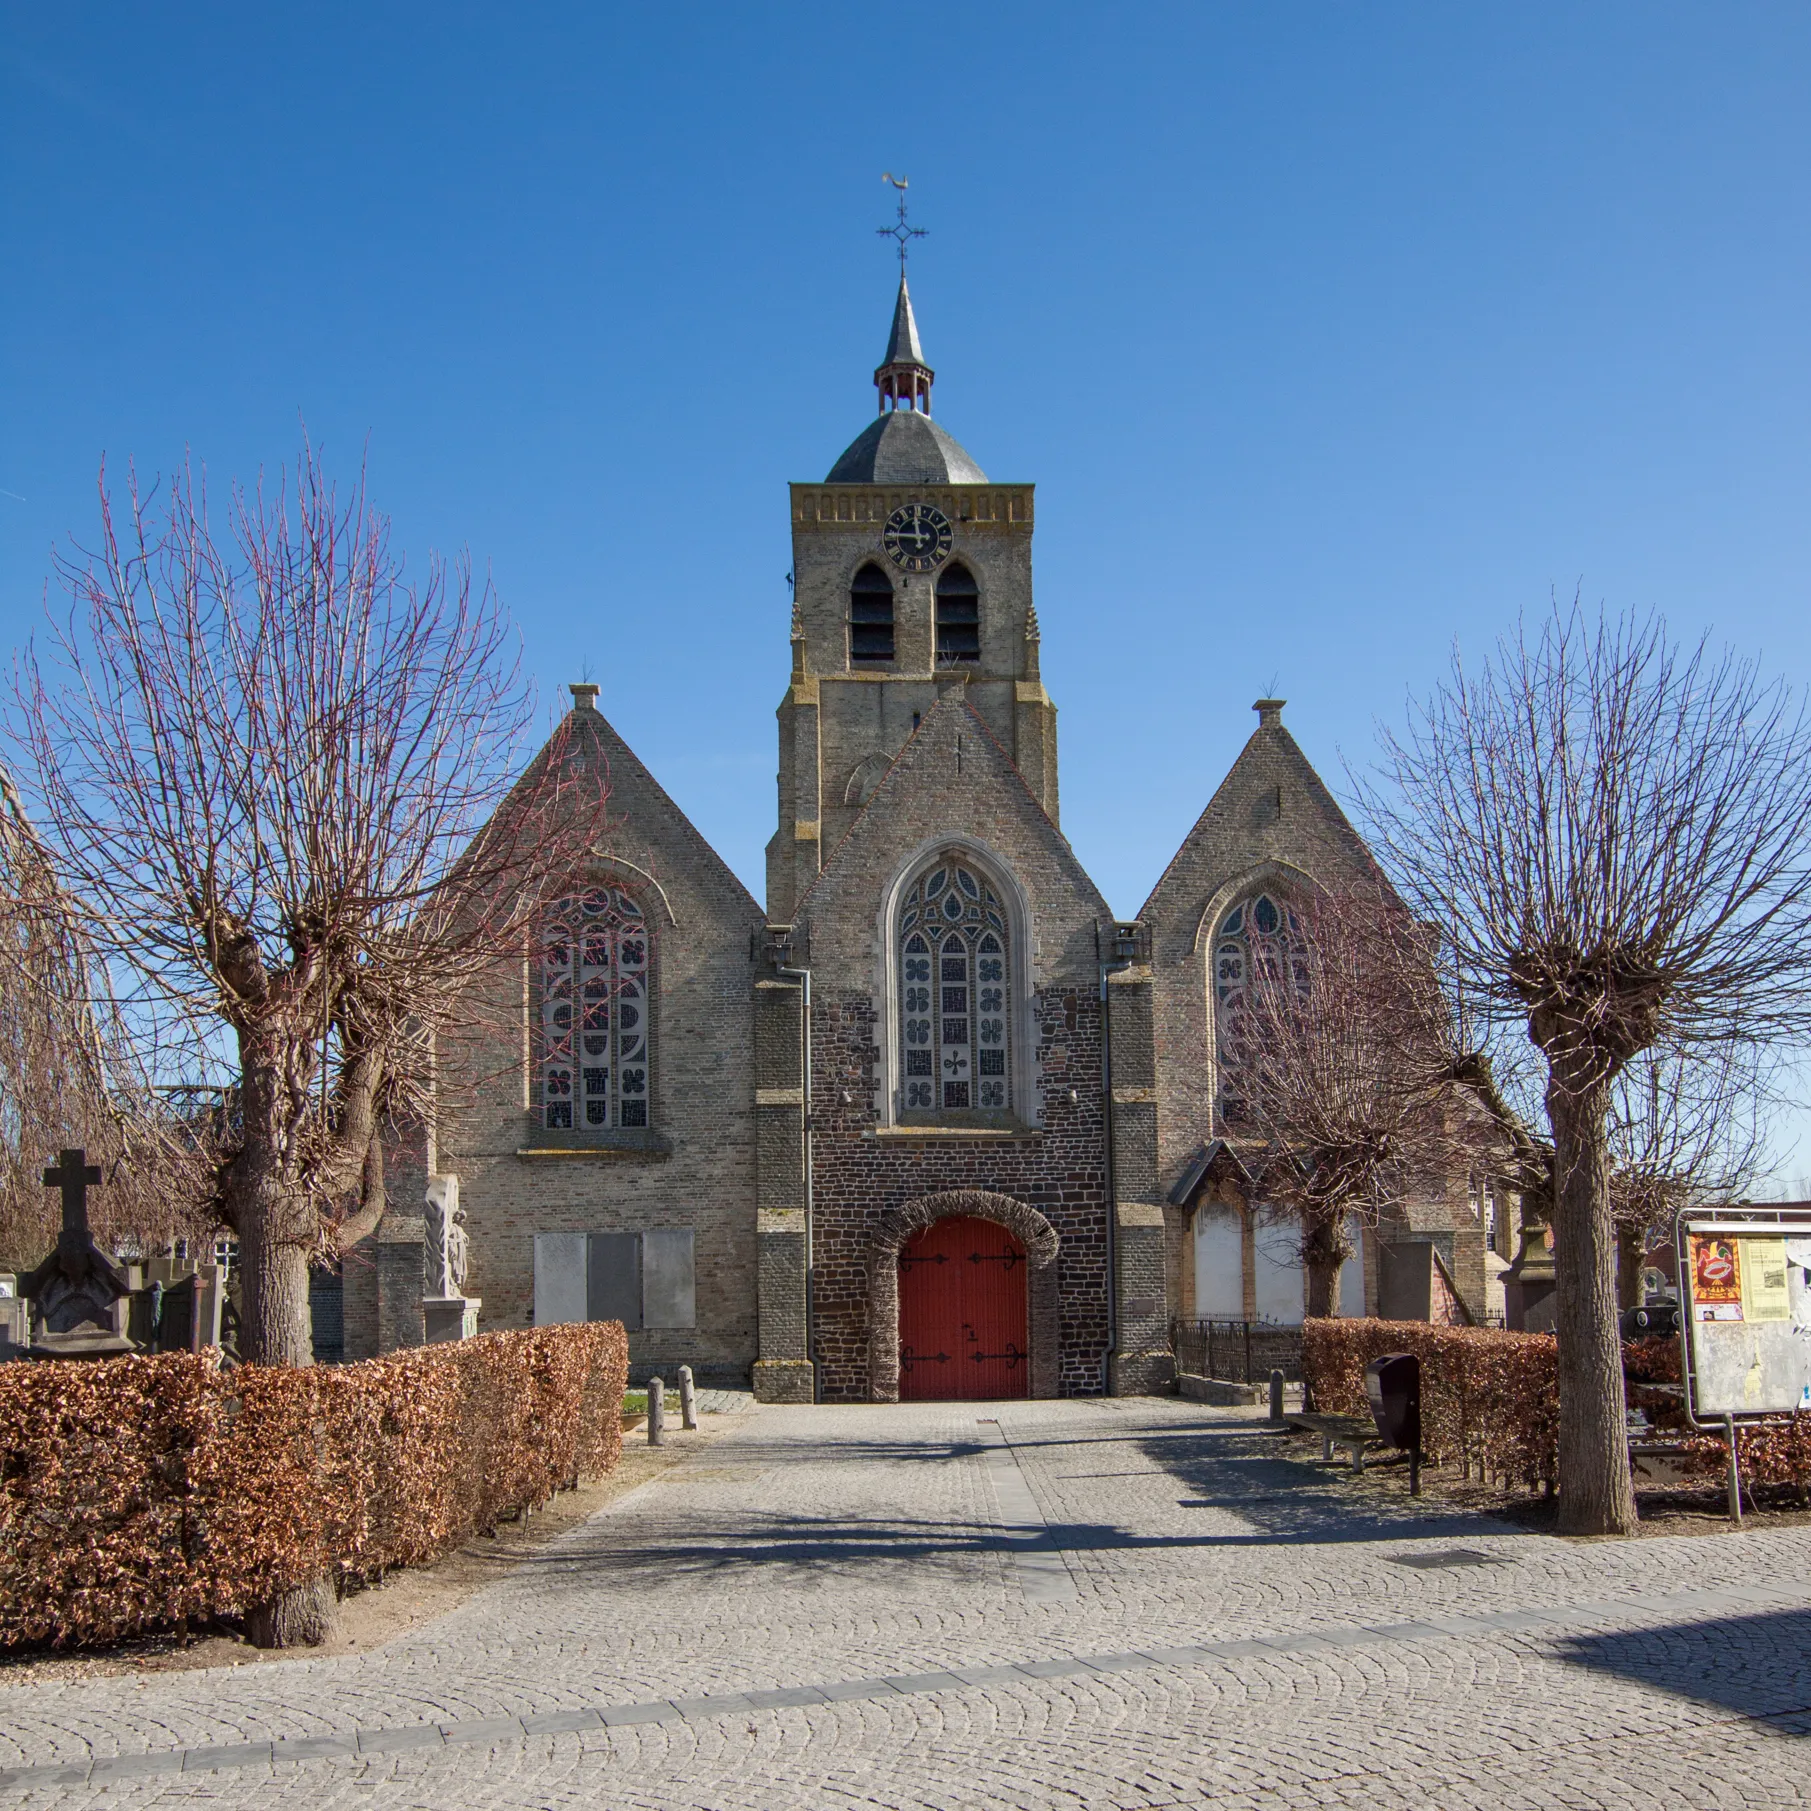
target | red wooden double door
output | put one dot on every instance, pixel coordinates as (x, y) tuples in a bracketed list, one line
[(962, 1327)]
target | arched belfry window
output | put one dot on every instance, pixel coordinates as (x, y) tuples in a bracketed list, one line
[(593, 965), (955, 994), (871, 615), (1259, 935), (958, 615)]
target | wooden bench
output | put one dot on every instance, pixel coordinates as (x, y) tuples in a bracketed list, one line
[(1352, 1433)]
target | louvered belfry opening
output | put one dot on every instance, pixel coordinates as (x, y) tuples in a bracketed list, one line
[(958, 615), (871, 615)]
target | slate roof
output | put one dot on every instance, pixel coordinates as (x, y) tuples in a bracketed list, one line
[(905, 446), (902, 343)]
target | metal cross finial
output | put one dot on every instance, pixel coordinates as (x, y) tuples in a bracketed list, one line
[(900, 231)]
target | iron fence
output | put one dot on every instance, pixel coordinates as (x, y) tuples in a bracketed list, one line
[(1237, 1351)]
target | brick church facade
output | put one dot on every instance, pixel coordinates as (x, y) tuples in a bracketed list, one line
[(762, 1134)]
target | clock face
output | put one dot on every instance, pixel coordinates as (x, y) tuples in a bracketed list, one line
[(917, 536)]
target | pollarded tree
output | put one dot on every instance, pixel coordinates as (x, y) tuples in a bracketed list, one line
[(1614, 834), (279, 780), (1338, 1060), (1685, 1129)]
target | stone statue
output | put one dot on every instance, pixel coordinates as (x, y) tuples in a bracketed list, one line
[(447, 1244)]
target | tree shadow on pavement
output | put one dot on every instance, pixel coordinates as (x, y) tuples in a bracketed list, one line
[(1759, 1666), (1287, 1498)]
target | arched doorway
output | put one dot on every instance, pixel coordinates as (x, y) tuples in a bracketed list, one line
[(963, 1330), (1041, 1316)]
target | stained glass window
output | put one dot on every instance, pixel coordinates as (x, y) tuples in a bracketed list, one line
[(594, 1013), (955, 994), (1257, 936)]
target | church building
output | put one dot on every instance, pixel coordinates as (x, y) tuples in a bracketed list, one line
[(929, 1122)]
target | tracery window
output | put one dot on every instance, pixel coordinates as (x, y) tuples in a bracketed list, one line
[(593, 974), (955, 994), (1258, 936)]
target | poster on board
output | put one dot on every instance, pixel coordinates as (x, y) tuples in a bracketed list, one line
[(1747, 1320), (1716, 1273)]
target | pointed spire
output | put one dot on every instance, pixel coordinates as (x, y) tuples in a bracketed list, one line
[(1033, 640), (902, 343), (904, 380)]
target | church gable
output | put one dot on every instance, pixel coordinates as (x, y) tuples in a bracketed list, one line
[(1272, 809), (956, 1056), (952, 784), (623, 1037), (1272, 827), (650, 836)]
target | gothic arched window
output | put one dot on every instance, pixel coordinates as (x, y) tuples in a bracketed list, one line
[(1259, 935), (871, 615), (955, 994), (958, 615), (593, 1047)]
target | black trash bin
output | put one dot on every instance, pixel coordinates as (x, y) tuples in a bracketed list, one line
[(1393, 1389)]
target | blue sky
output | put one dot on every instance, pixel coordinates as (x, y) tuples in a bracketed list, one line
[(1328, 333)]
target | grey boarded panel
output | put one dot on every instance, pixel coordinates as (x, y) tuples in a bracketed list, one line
[(559, 1277), (1405, 1284), (614, 1271), (668, 1290)]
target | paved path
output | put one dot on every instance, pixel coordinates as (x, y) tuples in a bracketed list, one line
[(1122, 1604)]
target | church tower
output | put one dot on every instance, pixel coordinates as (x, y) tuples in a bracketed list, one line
[(911, 579)]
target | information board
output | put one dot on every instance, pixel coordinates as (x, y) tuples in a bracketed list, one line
[(1745, 1301)]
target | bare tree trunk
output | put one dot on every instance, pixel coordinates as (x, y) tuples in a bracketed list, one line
[(1323, 1251), (1597, 1491), (302, 1618), (277, 1328), (274, 1321), (1631, 1249), (1322, 1275)]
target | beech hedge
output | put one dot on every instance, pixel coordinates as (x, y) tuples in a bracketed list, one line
[(1491, 1398), (143, 1493), (1486, 1395)]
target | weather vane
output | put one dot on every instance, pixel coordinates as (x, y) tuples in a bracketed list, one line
[(899, 231)]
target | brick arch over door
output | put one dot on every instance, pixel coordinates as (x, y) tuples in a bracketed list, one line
[(1043, 1306)]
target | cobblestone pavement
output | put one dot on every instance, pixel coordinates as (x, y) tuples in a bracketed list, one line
[(1113, 1604)]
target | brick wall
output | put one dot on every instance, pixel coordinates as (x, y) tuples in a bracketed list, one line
[(861, 1173)]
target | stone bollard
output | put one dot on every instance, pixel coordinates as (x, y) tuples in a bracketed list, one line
[(1276, 1395), (657, 1412), (688, 1399)]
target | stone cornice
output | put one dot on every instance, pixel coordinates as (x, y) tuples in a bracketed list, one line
[(971, 505)]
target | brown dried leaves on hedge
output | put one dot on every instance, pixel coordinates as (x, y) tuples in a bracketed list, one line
[(1491, 1394), (142, 1491), (1494, 1396)]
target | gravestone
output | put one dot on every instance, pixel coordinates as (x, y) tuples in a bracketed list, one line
[(78, 1295), (15, 1319)]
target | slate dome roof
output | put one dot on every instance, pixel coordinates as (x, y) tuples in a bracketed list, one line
[(905, 446)]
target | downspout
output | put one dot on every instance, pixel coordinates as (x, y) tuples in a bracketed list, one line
[(1106, 1090), (803, 975)]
